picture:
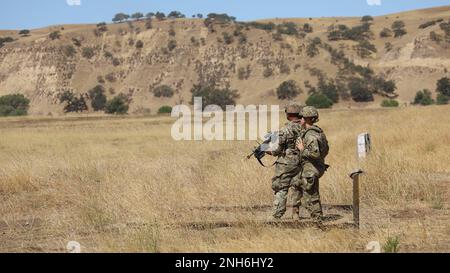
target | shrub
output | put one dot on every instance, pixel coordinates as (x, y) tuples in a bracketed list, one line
[(443, 86), (359, 90), (111, 77), (365, 49), (366, 18), (435, 37), (319, 101), (311, 49), (73, 103), (98, 98), (165, 110), (69, 51), (329, 89), (215, 96), (389, 103), (116, 62), (287, 28), (171, 45), (14, 105), (118, 105), (227, 38), (88, 52), (267, 72), (24, 32), (423, 97), (55, 35), (442, 99), (385, 33), (163, 91), (288, 90), (307, 28), (139, 44), (399, 28)]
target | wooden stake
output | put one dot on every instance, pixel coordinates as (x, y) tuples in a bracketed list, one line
[(355, 177)]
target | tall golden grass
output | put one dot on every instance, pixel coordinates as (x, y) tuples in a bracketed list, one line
[(115, 184)]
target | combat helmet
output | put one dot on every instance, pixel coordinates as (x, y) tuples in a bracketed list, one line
[(310, 112), (294, 108)]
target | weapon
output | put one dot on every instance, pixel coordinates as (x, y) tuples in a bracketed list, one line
[(260, 151)]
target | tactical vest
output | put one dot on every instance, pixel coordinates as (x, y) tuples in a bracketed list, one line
[(323, 142)]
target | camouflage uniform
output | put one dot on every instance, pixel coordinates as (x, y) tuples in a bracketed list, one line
[(312, 164), (287, 165)]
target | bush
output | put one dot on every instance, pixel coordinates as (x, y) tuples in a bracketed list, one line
[(14, 105), (399, 28), (98, 98), (55, 35), (118, 105), (287, 28), (359, 90), (319, 101), (385, 33), (267, 72), (88, 52), (139, 44), (329, 89), (111, 77), (69, 51), (116, 62), (288, 90), (365, 49), (227, 38), (423, 97), (171, 45), (366, 18), (443, 86), (24, 32), (73, 103), (442, 99), (163, 91), (165, 110), (215, 96), (389, 103)]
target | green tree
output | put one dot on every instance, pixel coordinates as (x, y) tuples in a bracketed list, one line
[(137, 15), (385, 33), (176, 14), (399, 28), (443, 86), (319, 101), (14, 105), (120, 17), (423, 97), (359, 90), (288, 90), (98, 98), (24, 32), (118, 105), (215, 96), (366, 18), (329, 89)]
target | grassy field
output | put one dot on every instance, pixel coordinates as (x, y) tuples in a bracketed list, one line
[(117, 185)]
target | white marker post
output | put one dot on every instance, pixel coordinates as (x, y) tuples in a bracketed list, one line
[(363, 147)]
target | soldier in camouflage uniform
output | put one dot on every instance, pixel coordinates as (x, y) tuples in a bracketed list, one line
[(313, 147), (287, 165)]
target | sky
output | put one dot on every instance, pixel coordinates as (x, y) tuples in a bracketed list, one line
[(30, 14)]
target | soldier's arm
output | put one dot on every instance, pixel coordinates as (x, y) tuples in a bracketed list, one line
[(312, 148)]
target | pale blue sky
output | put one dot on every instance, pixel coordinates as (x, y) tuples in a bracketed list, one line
[(21, 14)]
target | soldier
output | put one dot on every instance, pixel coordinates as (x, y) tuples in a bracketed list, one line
[(313, 147), (287, 165)]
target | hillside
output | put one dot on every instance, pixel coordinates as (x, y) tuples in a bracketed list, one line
[(42, 68)]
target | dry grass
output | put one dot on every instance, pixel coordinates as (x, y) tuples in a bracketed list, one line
[(115, 184)]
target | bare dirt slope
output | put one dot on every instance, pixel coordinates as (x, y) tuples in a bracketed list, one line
[(42, 68)]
